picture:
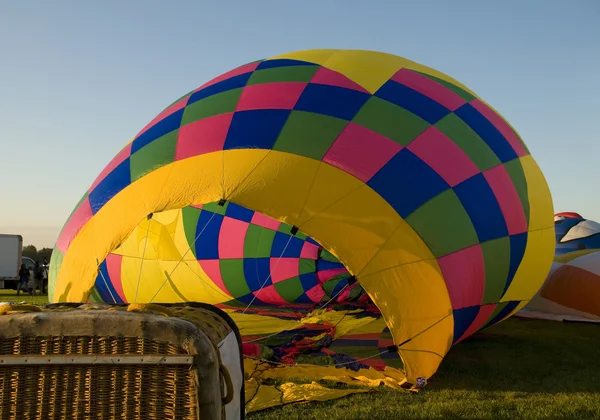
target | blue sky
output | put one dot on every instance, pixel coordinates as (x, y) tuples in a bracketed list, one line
[(78, 79)]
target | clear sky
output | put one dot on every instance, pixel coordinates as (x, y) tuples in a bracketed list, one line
[(78, 79)]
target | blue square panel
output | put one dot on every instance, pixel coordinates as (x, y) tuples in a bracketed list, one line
[(238, 212), (517, 251), (257, 129), (115, 181), (234, 82), (308, 280), (479, 201), (333, 101), (207, 235), (269, 64), (413, 101), (281, 247), (406, 182), (257, 272), (486, 130), (164, 126), (463, 318)]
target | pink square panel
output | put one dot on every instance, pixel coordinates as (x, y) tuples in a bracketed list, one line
[(315, 293), (204, 136), (260, 219), (78, 219), (464, 273), (361, 152), (508, 198), (430, 88), (277, 95), (113, 265), (285, 269), (231, 238), (270, 295), (501, 126), (443, 156), (309, 251)]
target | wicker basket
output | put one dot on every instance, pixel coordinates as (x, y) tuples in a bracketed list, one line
[(73, 361)]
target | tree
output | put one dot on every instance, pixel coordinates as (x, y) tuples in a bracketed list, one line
[(44, 253), (30, 251)]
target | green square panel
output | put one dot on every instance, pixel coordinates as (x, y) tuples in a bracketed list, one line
[(515, 170), (390, 120), (221, 103), (214, 207), (301, 235), (154, 155), (283, 74), (285, 228), (459, 91), (306, 265), (308, 134), (444, 224), (190, 216), (232, 273), (496, 257), (464, 137), (289, 289), (258, 242)]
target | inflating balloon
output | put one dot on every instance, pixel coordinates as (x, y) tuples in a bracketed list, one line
[(426, 195), (576, 234), (235, 248), (572, 289)]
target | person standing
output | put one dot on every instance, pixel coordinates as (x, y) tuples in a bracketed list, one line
[(23, 278)]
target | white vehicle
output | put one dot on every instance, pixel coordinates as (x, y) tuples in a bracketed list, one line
[(11, 248)]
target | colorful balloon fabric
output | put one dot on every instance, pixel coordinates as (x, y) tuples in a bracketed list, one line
[(572, 290), (567, 215), (429, 198), (228, 247), (575, 234)]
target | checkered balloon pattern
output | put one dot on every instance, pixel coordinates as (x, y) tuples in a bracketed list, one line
[(427, 195)]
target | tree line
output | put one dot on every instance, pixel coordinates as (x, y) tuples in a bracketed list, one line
[(37, 255)]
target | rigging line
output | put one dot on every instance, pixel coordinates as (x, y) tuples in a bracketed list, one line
[(270, 273), (182, 258), (149, 218), (106, 283), (336, 295)]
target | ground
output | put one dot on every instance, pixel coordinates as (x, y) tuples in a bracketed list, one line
[(519, 369)]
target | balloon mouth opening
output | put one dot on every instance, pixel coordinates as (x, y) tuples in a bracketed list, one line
[(242, 258)]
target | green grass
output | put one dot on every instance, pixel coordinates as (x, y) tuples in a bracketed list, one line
[(519, 369), (11, 296)]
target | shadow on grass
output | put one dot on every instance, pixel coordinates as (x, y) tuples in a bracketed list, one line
[(524, 355)]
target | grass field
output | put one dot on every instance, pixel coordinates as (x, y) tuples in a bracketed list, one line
[(519, 369)]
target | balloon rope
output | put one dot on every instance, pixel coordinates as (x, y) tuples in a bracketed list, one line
[(106, 283), (334, 296), (270, 273), (179, 262), (142, 262)]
